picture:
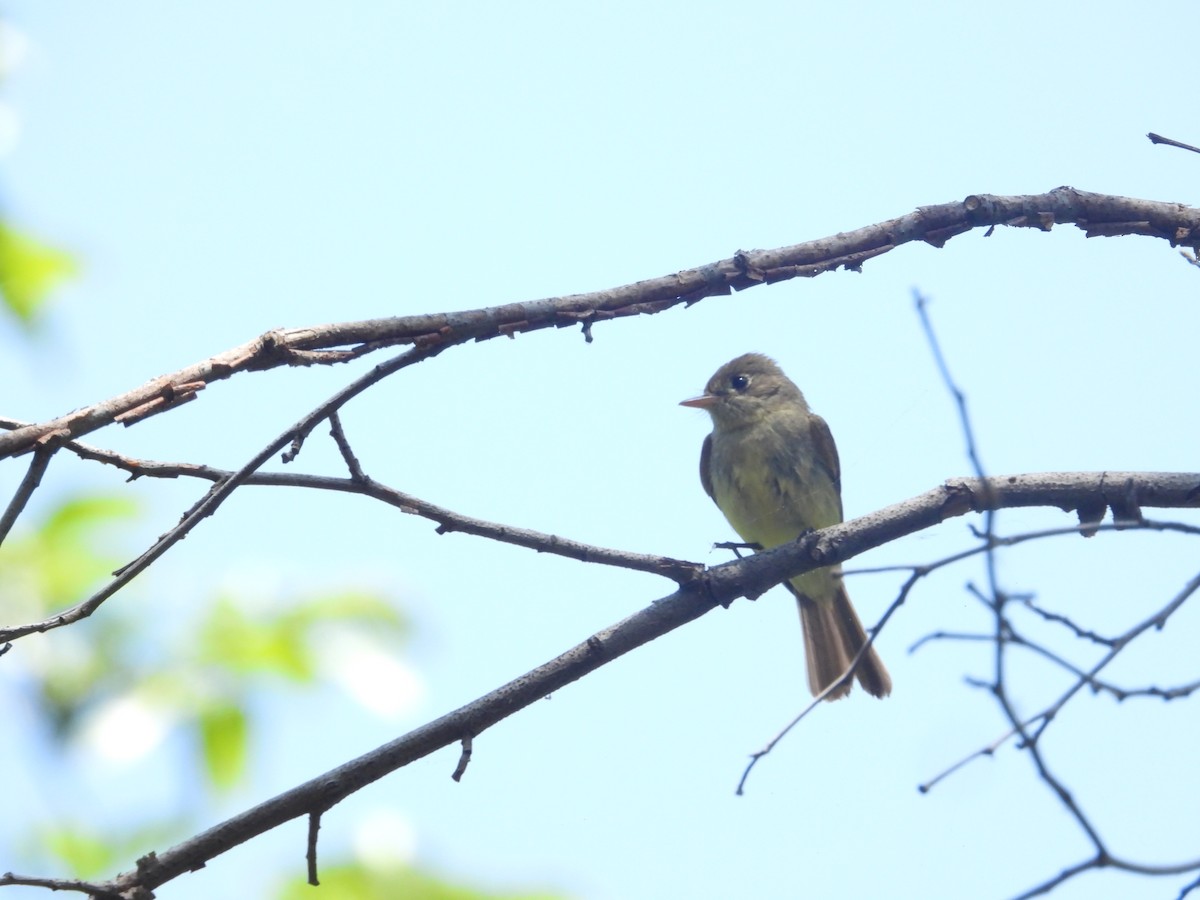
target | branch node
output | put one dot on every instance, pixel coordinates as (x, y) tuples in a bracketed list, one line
[(433, 338), (339, 436), (310, 855), (939, 237), (1126, 510), (463, 758), (294, 450), (510, 329), (1091, 514), (147, 864), (747, 269)]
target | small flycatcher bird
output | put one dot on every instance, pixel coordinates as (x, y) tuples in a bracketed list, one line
[(772, 468)]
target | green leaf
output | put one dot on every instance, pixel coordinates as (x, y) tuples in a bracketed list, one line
[(29, 271), (224, 740), (51, 568), (280, 642), (232, 641), (90, 851), (76, 516), (86, 854), (54, 565)]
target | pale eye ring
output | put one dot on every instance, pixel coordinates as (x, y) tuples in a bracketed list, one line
[(739, 382)]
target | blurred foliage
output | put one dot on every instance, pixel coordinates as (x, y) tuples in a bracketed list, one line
[(225, 742), (199, 673), (92, 852), (236, 645), (29, 272), (361, 882), (49, 569), (201, 677), (279, 643)]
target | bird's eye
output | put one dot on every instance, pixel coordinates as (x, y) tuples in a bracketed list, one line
[(739, 382)]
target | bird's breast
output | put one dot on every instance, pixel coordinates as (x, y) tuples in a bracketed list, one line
[(768, 486)]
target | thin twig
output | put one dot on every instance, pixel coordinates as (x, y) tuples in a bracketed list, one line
[(1125, 509), (1029, 741), (448, 521), (468, 744), (33, 477), (60, 884), (1188, 888), (216, 495), (830, 688), (1156, 621), (310, 853), (1082, 633), (343, 445), (1159, 139), (960, 399)]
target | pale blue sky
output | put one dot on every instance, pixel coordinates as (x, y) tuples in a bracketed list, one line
[(225, 168)]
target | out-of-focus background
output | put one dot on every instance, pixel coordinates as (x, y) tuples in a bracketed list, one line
[(216, 170)]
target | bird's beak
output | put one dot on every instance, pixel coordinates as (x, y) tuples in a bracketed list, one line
[(704, 401)]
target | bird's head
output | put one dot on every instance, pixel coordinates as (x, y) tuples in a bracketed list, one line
[(747, 390)]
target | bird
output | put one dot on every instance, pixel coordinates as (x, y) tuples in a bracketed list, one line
[(771, 466)]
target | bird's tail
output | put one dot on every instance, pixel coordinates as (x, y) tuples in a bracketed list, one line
[(833, 635)]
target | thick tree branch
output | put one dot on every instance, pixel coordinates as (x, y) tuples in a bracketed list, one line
[(1095, 214), (718, 586)]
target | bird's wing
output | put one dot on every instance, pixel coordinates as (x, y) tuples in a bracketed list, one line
[(826, 451), (705, 462)]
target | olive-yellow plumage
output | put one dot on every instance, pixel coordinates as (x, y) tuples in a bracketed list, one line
[(772, 468)]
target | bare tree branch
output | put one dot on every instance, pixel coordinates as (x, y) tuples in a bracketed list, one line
[(209, 503), (1096, 214), (700, 590), (343, 445), (330, 788), (59, 884), (718, 586), (448, 521), (988, 543), (464, 758), (956, 497), (830, 688), (310, 856), (1127, 512), (33, 477)]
